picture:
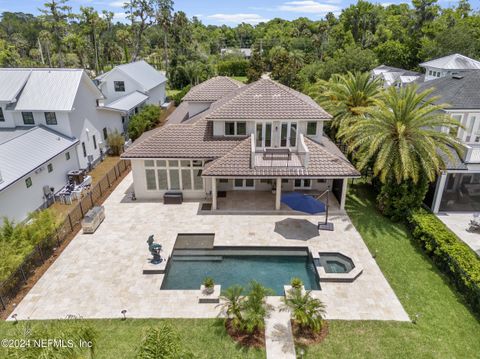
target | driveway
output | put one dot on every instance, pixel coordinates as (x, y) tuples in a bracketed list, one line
[(99, 275)]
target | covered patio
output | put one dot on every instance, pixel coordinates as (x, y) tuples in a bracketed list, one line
[(262, 201)]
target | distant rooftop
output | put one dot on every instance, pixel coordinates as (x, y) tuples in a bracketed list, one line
[(213, 89), (127, 102), (26, 150), (453, 62)]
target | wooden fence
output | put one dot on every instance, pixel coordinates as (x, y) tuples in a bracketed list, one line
[(10, 287)]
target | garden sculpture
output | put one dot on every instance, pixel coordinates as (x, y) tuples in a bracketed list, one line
[(154, 249)]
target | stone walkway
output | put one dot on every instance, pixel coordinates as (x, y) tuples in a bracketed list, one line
[(458, 222), (278, 333), (98, 275)]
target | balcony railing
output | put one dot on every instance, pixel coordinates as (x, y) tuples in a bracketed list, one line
[(280, 157)]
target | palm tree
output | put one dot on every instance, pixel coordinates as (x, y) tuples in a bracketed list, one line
[(401, 138), (348, 97), (256, 308), (307, 311), (233, 304)]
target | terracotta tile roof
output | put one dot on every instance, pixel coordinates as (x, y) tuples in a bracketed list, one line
[(213, 89), (182, 141), (322, 163), (267, 99)]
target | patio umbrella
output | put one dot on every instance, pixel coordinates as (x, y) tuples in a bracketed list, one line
[(308, 204)]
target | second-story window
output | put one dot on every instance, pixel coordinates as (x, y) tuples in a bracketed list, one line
[(50, 118), (235, 128), (119, 86), (94, 142), (84, 148), (28, 118), (2, 118), (311, 129)]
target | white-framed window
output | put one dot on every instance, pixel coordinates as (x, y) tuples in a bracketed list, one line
[(243, 183), (235, 128), (50, 168), (28, 118), (67, 155), (50, 118), (302, 183), (2, 117), (172, 174), (454, 130), (28, 182), (312, 128)]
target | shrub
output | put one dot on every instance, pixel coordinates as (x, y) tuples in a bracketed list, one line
[(296, 282), (397, 200), (177, 98), (115, 141), (449, 253), (162, 343), (234, 67), (307, 312), (143, 121), (208, 282)]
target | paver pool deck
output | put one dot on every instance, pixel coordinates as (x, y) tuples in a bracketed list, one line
[(98, 275)]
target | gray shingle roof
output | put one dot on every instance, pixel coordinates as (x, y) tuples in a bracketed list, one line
[(453, 62), (213, 89), (267, 99), (322, 163), (459, 92), (29, 150)]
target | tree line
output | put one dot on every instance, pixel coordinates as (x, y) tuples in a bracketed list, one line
[(296, 52)]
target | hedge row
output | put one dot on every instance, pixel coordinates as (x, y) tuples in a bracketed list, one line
[(449, 253)]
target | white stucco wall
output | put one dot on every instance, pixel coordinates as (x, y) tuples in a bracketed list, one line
[(108, 88), (156, 96), (17, 201), (197, 107)]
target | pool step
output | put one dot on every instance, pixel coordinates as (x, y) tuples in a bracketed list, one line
[(198, 258)]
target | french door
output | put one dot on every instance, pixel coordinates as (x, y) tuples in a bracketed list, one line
[(288, 134), (264, 134)]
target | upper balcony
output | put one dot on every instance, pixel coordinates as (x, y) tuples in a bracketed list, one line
[(280, 156), (471, 153)]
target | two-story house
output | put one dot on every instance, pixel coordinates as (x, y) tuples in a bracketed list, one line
[(64, 100), (258, 137), (458, 187), (394, 76), (129, 86)]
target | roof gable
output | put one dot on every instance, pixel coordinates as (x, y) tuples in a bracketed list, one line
[(12, 81), (213, 89), (453, 62), (267, 99)]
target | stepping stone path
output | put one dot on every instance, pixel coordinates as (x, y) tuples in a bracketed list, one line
[(278, 333)]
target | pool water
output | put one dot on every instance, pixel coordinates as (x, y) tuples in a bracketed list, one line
[(272, 271), (335, 267)]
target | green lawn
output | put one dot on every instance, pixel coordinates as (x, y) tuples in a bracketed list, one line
[(206, 338), (445, 328)]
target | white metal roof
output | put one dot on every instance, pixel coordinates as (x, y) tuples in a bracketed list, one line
[(127, 102), (141, 72), (50, 90), (453, 62), (12, 82), (28, 151)]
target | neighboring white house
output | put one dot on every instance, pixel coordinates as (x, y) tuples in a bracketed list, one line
[(33, 161), (448, 65), (126, 79), (65, 100), (458, 187), (246, 52), (258, 137), (394, 76)]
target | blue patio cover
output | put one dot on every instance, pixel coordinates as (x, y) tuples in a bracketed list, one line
[(303, 203)]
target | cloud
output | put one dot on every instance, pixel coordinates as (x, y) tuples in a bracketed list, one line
[(237, 18), (116, 3), (308, 6)]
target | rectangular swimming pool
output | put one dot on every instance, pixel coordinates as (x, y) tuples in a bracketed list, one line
[(228, 266)]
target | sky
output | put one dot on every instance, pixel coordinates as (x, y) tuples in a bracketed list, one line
[(217, 12)]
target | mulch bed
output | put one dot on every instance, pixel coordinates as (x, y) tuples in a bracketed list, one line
[(307, 338), (255, 340)]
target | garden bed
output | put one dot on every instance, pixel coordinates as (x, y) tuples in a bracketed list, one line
[(253, 340)]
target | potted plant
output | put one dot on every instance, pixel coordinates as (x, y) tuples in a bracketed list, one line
[(296, 283), (209, 285)]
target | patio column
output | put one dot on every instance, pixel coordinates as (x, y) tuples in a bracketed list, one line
[(214, 193), (278, 194), (437, 197), (344, 193)]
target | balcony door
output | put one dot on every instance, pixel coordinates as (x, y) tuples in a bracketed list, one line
[(264, 134), (288, 134)]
